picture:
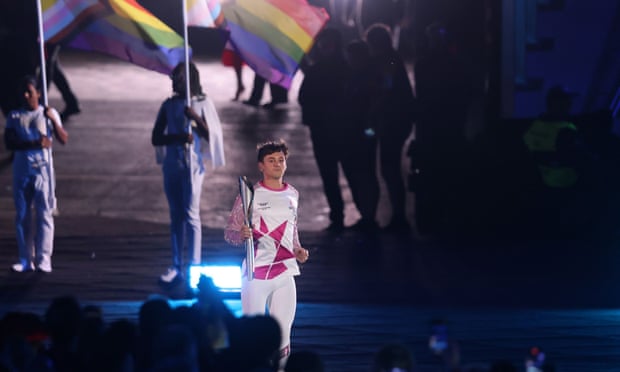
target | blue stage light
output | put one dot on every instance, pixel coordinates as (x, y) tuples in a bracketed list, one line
[(227, 278)]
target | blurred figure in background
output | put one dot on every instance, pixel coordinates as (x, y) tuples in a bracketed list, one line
[(359, 160), (55, 74), (234, 60), (321, 98), (556, 150), (394, 115)]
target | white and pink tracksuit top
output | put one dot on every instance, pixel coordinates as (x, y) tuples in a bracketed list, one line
[(274, 218)]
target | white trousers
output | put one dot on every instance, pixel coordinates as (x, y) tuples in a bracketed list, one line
[(277, 297)]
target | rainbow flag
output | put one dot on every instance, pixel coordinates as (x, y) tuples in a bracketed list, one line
[(272, 36), (204, 13), (121, 28), (62, 17)]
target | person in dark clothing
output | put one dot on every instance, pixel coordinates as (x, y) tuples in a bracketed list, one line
[(394, 114), (359, 160), (320, 97), (57, 76), (555, 148)]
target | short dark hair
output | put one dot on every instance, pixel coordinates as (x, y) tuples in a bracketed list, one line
[(25, 81), (271, 147), (194, 77)]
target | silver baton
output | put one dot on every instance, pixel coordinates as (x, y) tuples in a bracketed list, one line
[(246, 191)]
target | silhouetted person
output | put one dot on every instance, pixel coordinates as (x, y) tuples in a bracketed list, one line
[(117, 348), (254, 345), (359, 151), (89, 336), (443, 96), (23, 340), (153, 316), (554, 145), (55, 74), (63, 319), (175, 349), (393, 357), (394, 118), (552, 140), (321, 96), (232, 59), (216, 317)]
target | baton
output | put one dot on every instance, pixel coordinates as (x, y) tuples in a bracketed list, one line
[(246, 191)]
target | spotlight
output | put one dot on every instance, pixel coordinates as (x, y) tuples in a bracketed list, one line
[(227, 278)]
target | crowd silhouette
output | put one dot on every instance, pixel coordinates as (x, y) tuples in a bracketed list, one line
[(335, 134), (356, 102), (202, 336)]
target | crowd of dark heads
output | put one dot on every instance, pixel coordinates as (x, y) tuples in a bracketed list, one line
[(204, 336)]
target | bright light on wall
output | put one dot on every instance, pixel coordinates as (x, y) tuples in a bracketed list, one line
[(227, 278)]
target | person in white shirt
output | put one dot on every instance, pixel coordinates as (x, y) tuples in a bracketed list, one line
[(276, 243), (28, 133)]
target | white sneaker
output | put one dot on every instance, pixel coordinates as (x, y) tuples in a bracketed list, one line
[(170, 275), (21, 268), (44, 268)]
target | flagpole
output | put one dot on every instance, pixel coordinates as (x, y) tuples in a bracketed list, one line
[(43, 67), (42, 53), (186, 50), (188, 97)]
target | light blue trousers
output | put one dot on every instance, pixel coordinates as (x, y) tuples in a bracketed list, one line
[(183, 196), (32, 191)]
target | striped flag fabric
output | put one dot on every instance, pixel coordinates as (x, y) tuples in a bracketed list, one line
[(62, 17), (204, 13), (121, 28), (272, 36)]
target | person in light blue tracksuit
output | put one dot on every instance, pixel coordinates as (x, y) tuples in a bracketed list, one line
[(28, 133), (181, 156)]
